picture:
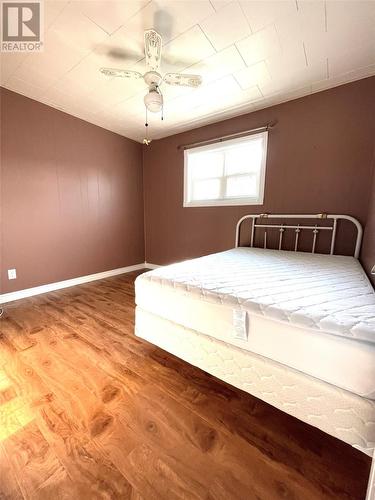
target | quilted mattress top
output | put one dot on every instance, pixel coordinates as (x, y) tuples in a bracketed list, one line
[(329, 294)]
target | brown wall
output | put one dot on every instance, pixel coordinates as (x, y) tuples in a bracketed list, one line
[(368, 247), (319, 159), (71, 196)]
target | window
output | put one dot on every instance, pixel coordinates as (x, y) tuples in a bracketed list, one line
[(226, 173)]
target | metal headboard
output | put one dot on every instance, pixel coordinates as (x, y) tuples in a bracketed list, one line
[(315, 228)]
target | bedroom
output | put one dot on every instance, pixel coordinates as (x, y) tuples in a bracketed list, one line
[(187, 249)]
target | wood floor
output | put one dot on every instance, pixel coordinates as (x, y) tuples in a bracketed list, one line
[(89, 411)]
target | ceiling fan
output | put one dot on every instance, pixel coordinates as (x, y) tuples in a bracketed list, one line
[(154, 99)]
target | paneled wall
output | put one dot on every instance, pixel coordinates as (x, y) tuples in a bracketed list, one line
[(71, 196), (368, 247)]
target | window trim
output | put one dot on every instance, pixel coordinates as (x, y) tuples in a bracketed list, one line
[(246, 200)]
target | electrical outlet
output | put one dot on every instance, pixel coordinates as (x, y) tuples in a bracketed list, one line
[(373, 270), (12, 274)]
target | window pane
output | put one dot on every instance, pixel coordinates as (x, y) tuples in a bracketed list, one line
[(245, 158), (205, 165), (206, 189), (226, 173), (242, 185)]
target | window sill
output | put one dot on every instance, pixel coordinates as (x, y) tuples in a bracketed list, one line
[(223, 203)]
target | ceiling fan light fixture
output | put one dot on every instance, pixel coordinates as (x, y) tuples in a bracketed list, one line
[(153, 101)]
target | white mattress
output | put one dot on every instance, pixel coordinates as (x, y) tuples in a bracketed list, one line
[(314, 313), (338, 412)]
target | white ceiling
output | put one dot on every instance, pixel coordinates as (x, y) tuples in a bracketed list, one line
[(251, 54)]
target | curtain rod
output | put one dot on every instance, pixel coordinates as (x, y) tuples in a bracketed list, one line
[(229, 136)]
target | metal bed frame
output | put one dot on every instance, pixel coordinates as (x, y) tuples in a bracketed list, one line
[(298, 228)]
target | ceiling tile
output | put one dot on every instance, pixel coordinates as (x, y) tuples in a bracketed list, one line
[(225, 90), (222, 33), (131, 106), (350, 23), (351, 58), (288, 78), (119, 89), (344, 78), (52, 9), (219, 4), (219, 95), (60, 98), (186, 50), (290, 59), (121, 50), (291, 69), (263, 13), (75, 30), (9, 63), (259, 46), (25, 88), (171, 92), (205, 95), (70, 87), (177, 17), (219, 90), (85, 75), (211, 69), (282, 97), (237, 103), (257, 74), (112, 14), (218, 65), (44, 68), (306, 22)]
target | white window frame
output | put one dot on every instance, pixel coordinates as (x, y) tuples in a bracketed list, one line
[(217, 146)]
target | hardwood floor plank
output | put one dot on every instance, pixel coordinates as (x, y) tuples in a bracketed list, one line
[(157, 476), (38, 471), (9, 487), (86, 466)]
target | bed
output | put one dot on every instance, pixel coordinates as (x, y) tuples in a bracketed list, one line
[(235, 314)]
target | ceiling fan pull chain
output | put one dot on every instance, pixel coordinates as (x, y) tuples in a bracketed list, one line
[(146, 139)]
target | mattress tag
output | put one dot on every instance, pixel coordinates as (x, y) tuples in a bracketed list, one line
[(240, 324)]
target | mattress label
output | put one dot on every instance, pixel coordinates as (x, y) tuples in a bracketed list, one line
[(240, 324)]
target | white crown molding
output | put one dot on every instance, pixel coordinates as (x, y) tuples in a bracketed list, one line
[(50, 287)]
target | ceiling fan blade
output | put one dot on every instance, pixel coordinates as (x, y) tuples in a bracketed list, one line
[(122, 73), (183, 80), (153, 43)]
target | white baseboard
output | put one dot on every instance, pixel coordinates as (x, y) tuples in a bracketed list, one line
[(29, 292), (148, 265)]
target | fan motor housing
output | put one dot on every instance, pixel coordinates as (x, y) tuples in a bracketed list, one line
[(152, 78)]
